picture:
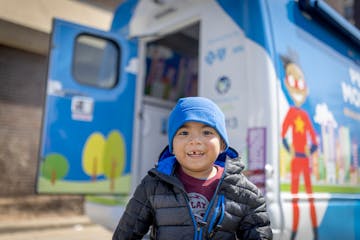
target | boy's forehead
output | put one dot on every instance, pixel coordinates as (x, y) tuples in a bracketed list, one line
[(194, 124)]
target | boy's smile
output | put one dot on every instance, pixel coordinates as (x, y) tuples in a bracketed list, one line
[(195, 154), (196, 147)]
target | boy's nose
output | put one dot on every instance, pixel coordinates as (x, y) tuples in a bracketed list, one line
[(195, 139)]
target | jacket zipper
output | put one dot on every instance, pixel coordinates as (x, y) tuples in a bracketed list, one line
[(198, 228), (208, 209)]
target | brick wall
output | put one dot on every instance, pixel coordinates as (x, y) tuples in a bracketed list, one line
[(22, 92), (22, 83)]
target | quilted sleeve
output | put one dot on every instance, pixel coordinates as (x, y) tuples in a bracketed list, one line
[(255, 224), (138, 216)]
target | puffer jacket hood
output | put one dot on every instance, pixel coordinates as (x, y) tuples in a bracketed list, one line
[(167, 160)]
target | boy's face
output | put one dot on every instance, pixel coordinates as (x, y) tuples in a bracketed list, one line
[(196, 147)]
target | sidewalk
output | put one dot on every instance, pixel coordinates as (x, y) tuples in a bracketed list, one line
[(54, 228)]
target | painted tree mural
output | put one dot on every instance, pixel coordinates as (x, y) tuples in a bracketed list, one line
[(54, 167), (93, 152), (114, 157)]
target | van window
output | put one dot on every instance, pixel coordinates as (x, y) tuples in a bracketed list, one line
[(172, 65), (96, 61)]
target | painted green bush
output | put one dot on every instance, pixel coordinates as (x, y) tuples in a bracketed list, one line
[(54, 167)]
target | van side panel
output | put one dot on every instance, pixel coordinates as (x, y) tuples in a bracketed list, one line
[(319, 111)]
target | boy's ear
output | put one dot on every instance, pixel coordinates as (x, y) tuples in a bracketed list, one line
[(223, 145)]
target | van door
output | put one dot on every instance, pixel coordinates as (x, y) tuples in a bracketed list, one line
[(87, 127), (171, 73)]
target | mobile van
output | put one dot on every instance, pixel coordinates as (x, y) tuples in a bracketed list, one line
[(285, 73)]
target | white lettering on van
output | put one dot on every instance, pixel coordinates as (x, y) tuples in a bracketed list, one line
[(351, 94), (354, 77)]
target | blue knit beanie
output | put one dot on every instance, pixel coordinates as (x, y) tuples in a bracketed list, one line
[(196, 109)]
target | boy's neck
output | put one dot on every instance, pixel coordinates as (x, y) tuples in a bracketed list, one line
[(203, 175)]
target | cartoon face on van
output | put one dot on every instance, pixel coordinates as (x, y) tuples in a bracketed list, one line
[(296, 84)]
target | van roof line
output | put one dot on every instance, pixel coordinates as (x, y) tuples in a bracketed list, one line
[(320, 9)]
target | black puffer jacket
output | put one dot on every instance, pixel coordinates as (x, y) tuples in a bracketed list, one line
[(237, 210)]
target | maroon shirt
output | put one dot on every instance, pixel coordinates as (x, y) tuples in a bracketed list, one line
[(199, 191)]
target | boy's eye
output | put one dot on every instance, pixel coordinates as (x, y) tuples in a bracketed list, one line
[(183, 132), (207, 132)]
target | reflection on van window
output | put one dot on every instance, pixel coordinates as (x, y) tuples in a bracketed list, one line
[(172, 65), (96, 61)]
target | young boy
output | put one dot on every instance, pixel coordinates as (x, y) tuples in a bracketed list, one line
[(197, 190)]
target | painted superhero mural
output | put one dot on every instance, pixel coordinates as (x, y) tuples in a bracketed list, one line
[(303, 142)]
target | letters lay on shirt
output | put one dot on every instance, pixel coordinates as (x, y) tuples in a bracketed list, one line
[(199, 191)]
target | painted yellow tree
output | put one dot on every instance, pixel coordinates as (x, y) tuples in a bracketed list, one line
[(114, 157), (93, 152), (54, 167)]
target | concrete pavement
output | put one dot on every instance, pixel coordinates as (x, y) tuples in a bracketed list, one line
[(52, 228)]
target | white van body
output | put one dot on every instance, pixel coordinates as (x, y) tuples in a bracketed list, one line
[(262, 62)]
